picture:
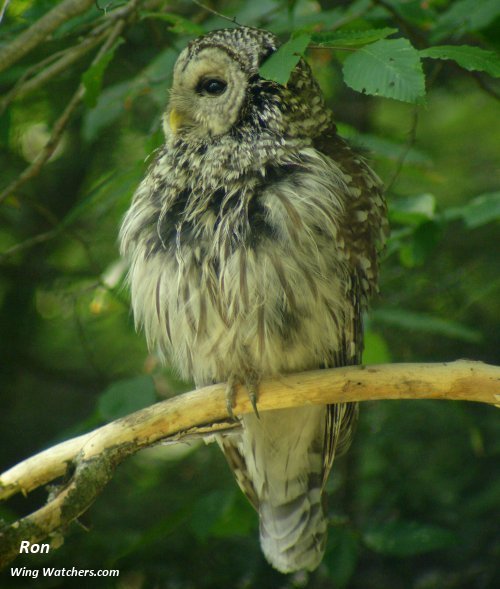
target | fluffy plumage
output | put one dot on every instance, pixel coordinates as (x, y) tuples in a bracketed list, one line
[(252, 244)]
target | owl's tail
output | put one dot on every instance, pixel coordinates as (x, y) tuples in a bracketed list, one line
[(283, 454), (293, 534)]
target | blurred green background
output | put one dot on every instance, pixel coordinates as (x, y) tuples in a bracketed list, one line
[(415, 502)]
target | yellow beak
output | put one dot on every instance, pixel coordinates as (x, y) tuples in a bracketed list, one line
[(175, 120)]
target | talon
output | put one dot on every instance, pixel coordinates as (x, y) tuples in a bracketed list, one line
[(252, 395), (253, 400)]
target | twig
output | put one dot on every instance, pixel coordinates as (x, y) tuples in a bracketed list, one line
[(33, 169), (413, 34), (412, 135), (481, 82), (215, 13), (39, 31), (332, 47), (28, 84), (95, 455), (29, 73), (28, 243), (478, 77)]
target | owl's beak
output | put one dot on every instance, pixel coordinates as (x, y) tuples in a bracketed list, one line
[(175, 120)]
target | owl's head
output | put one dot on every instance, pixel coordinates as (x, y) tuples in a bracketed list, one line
[(216, 83)]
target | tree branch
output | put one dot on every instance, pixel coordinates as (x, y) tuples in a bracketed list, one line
[(30, 83), (90, 459), (39, 31)]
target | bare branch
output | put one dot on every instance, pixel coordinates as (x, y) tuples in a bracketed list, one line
[(92, 458), (29, 84), (28, 243), (215, 13), (39, 31), (34, 169)]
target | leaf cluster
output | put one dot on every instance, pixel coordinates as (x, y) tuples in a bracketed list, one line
[(392, 68)]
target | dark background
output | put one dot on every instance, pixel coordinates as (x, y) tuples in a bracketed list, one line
[(415, 502)]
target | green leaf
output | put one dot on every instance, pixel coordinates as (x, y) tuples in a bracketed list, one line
[(156, 77), (92, 78), (145, 538), (238, 519), (389, 68), (109, 107), (281, 63), (425, 323), (422, 243), (391, 150), (153, 79), (470, 58), (465, 16), (403, 538), (413, 210), (126, 396), (306, 21), (376, 350), (207, 512), (415, 11), (350, 38), (76, 24), (479, 211), (385, 148), (110, 187), (222, 514), (5, 124), (341, 555)]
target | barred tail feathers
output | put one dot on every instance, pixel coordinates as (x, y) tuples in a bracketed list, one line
[(279, 464), (293, 534)]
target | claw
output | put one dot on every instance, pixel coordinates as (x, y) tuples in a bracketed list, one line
[(252, 386), (252, 395)]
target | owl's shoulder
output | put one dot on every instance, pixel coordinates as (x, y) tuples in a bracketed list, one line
[(364, 227)]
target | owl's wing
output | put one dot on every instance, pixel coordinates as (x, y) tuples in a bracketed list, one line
[(238, 465), (364, 232), (341, 418), (364, 226)]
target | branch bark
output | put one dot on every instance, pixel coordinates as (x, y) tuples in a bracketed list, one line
[(90, 460)]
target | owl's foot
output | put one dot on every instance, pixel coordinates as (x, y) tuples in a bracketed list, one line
[(252, 386)]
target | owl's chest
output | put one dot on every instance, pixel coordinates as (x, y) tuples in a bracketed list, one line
[(257, 308), (258, 282)]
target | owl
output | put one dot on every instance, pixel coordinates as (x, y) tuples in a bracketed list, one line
[(252, 245)]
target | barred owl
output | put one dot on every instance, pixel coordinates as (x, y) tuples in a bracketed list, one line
[(252, 248)]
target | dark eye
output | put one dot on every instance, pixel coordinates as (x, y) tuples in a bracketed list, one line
[(211, 86)]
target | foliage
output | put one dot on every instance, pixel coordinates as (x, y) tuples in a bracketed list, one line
[(412, 504)]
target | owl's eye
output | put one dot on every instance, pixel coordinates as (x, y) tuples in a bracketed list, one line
[(211, 86)]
